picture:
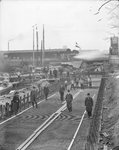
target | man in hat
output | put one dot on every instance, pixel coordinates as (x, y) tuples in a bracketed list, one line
[(15, 102), (46, 91), (34, 97), (61, 91), (69, 99), (89, 105)]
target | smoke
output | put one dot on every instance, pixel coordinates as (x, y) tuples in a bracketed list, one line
[(90, 55), (21, 36)]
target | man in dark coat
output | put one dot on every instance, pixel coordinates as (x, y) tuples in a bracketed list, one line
[(89, 105), (15, 103), (34, 97), (55, 73), (69, 99), (46, 91), (61, 91)]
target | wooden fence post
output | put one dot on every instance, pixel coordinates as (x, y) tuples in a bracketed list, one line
[(20, 104), (24, 101), (27, 99)]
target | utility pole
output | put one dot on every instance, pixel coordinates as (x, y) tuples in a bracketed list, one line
[(41, 53), (37, 43), (33, 43), (43, 46)]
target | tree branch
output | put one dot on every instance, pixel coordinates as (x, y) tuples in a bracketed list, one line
[(102, 6)]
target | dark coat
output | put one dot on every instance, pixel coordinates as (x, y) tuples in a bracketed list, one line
[(46, 90), (15, 103), (69, 99), (62, 89), (33, 95), (89, 104)]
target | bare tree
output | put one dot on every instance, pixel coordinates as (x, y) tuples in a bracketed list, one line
[(112, 7), (113, 13)]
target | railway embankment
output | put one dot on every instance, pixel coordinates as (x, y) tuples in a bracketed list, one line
[(109, 135)]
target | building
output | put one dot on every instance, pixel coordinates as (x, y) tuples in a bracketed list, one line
[(41, 57)]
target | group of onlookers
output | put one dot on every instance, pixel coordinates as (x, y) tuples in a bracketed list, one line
[(67, 85), (15, 103)]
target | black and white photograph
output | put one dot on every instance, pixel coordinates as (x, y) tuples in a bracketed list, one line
[(59, 74)]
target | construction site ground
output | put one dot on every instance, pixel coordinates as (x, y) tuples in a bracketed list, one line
[(59, 134)]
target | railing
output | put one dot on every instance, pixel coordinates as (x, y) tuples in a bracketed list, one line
[(93, 134), (25, 102)]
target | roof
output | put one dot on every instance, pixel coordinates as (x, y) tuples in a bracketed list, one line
[(28, 51)]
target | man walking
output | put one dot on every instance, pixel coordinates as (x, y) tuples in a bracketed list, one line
[(61, 91), (65, 84), (89, 105), (46, 91), (34, 97), (69, 99)]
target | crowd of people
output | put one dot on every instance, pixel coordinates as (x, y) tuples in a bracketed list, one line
[(71, 83)]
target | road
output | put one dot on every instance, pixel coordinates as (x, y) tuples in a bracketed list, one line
[(59, 134)]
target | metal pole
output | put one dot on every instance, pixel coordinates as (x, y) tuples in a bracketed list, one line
[(33, 46), (37, 43), (41, 53), (33, 43), (43, 47)]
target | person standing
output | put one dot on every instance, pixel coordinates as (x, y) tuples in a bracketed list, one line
[(89, 105), (34, 97), (46, 91), (65, 84), (69, 99), (72, 84), (15, 103), (50, 75), (55, 73), (61, 91), (90, 82), (77, 82), (82, 83)]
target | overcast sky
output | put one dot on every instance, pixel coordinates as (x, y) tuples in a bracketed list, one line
[(65, 22)]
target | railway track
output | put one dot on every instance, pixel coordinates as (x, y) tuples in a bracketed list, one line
[(34, 139)]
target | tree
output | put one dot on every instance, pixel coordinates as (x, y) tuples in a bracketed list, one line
[(114, 17), (112, 14)]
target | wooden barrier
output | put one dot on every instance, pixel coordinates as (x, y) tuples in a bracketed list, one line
[(25, 102)]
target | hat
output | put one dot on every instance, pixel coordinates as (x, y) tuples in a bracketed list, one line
[(88, 93)]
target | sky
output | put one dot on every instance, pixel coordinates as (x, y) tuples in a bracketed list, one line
[(65, 22)]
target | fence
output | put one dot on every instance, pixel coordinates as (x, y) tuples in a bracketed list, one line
[(25, 102), (93, 134)]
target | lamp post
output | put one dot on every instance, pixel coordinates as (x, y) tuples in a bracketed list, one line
[(33, 43)]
